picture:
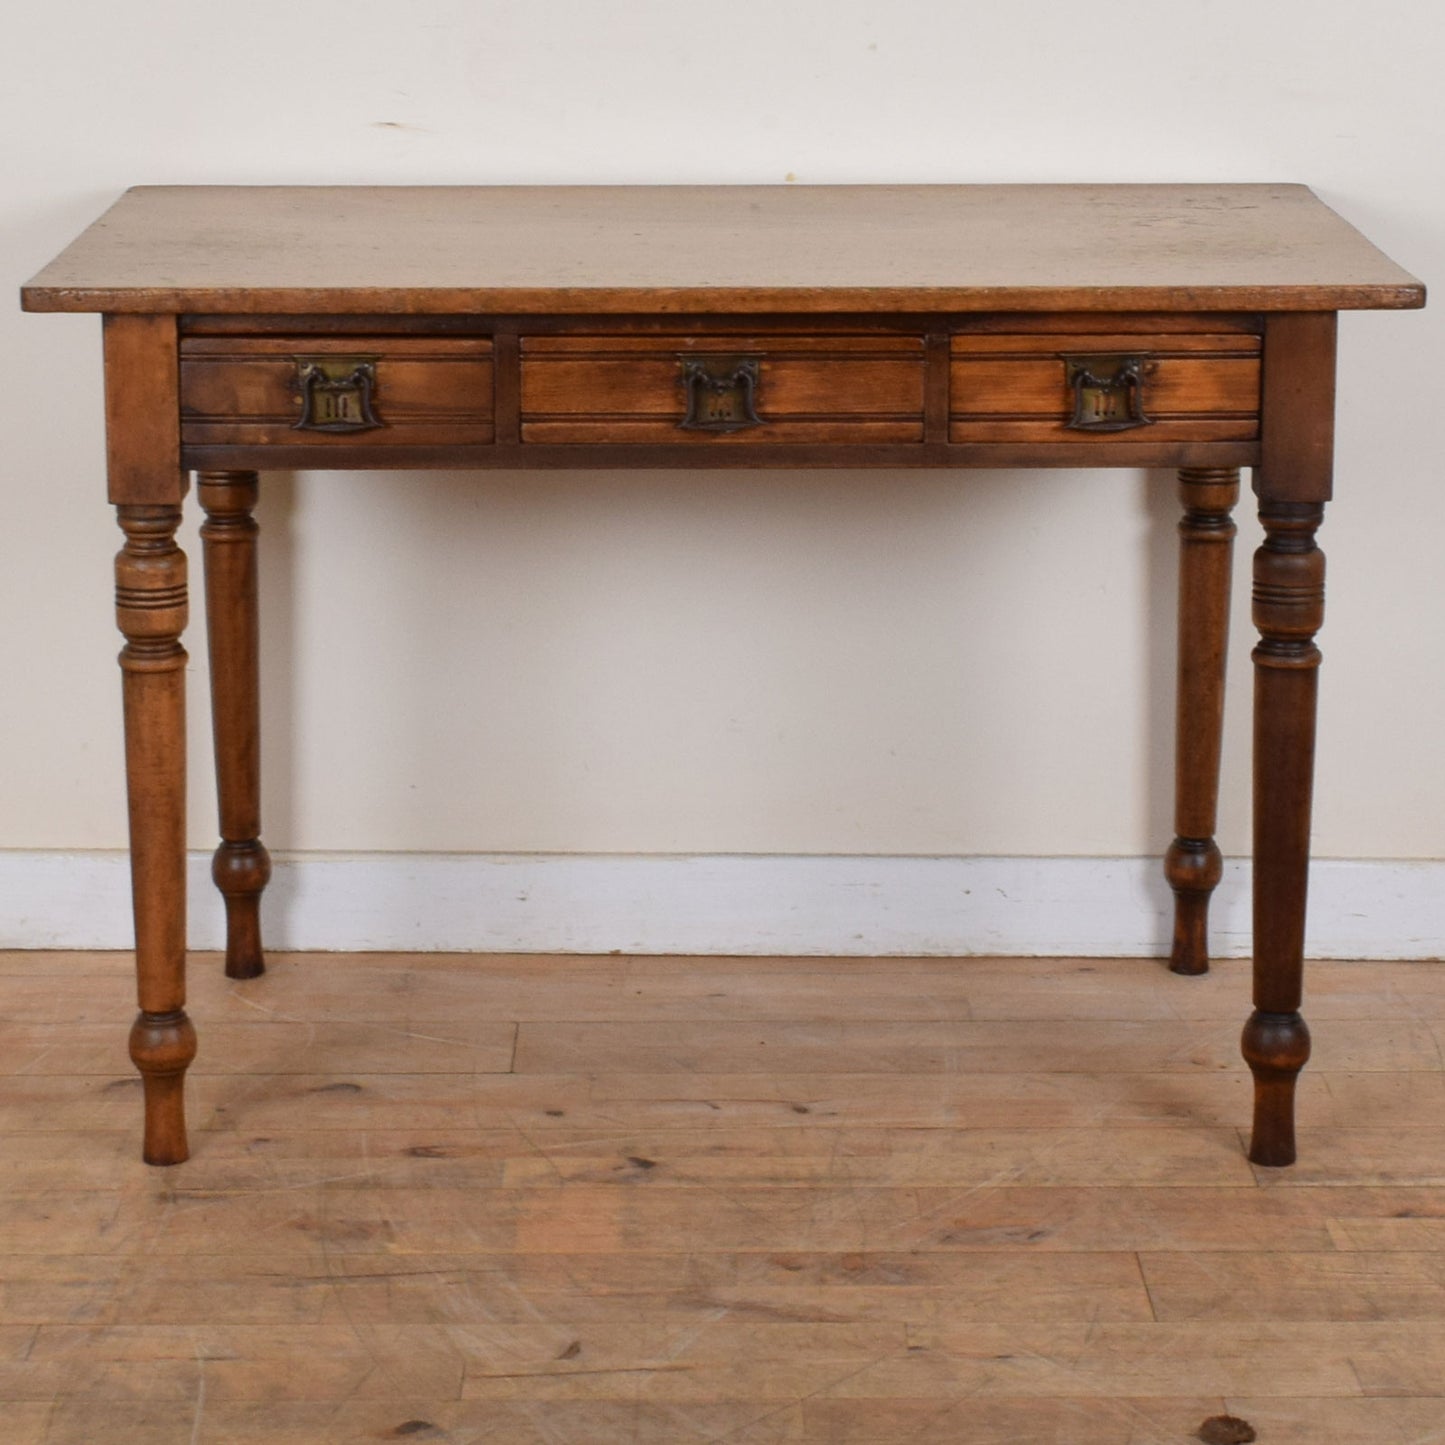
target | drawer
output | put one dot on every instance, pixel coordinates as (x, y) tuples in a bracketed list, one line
[(336, 390), (725, 390), (1121, 387)]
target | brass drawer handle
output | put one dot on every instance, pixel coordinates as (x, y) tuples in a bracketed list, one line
[(1108, 392), (336, 393), (721, 393)]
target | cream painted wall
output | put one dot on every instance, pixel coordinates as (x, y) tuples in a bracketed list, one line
[(804, 663)]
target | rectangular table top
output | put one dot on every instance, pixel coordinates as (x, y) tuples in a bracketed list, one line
[(693, 249)]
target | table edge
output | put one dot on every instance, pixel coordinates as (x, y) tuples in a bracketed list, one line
[(693, 301)]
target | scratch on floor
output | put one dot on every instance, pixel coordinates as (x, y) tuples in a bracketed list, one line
[(262, 1008), (199, 1413), (570, 1374), (829, 1385)]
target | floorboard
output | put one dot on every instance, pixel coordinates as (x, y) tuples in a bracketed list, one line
[(757, 1201)]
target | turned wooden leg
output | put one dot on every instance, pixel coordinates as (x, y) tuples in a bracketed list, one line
[(242, 867), (1193, 865), (1289, 599), (150, 599)]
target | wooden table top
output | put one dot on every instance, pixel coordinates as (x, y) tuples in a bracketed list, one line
[(691, 249)]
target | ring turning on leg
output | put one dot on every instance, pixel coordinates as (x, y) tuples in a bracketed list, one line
[(150, 602), (1289, 599)]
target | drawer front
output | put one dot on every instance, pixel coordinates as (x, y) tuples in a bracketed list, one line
[(336, 391), (1120, 388), (724, 390)]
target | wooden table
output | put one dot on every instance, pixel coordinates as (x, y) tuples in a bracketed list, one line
[(1189, 327)]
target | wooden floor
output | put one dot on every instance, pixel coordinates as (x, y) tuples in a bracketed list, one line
[(580, 1201)]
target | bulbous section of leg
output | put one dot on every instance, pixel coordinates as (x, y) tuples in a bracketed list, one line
[(1193, 868), (162, 1047), (241, 872), (1276, 1047)]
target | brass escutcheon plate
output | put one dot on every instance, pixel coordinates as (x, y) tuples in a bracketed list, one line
[(337, 393), (1107, 392), (721, 393)]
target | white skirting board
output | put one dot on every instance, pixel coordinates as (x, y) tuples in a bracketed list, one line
[(828, 905)]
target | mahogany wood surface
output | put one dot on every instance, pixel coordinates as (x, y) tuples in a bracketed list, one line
[(889, 327)]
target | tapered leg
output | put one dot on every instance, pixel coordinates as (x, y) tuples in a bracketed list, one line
[(242, 867), (1193, 865), (151, 613), (1289, 596)]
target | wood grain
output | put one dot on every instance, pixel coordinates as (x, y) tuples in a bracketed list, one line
[(1297, 446), (927, 1048), (629, 389), (430, 391), (1193, 865), (1179, 446), (241, 866), (620, 249), (1198, 386), (650, 1253), (151, 609), (142, 436), (820, 1421), (1176, 386)]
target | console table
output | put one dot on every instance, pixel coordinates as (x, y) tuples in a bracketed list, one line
[(1188, 327)]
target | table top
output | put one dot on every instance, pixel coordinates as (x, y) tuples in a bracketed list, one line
[(691, 249)]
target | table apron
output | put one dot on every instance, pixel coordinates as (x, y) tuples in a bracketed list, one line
[(547, 456)]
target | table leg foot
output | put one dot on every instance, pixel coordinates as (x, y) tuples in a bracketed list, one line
[(1193, 868), (240, 872), (162, 1047), (1276, 1047)]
